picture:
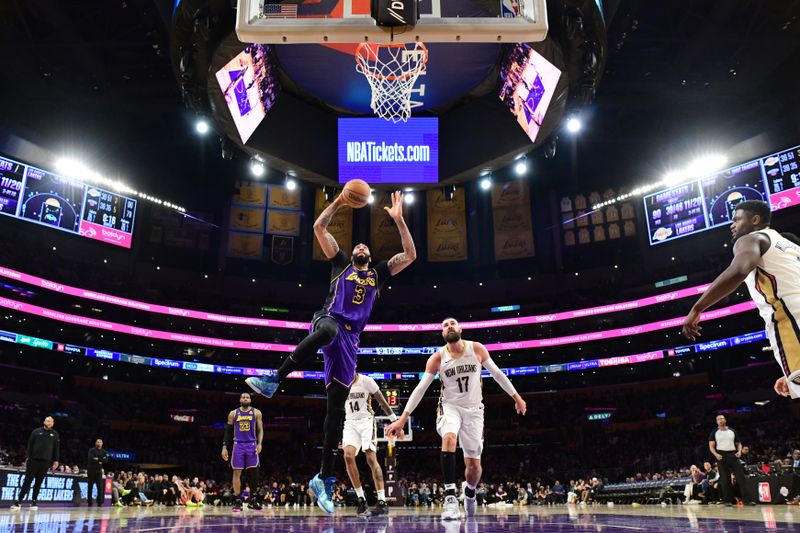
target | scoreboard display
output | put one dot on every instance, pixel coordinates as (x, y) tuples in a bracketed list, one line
[(392, 397), (48, 199), (709, 202)]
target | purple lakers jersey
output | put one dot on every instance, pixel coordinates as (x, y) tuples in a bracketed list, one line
[(353, 292), (244, 425)]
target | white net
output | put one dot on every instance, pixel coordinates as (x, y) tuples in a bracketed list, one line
[(391, 70)]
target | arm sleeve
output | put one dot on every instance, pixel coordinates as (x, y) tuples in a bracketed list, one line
[(419, 392), (499, 377), (227, 440)]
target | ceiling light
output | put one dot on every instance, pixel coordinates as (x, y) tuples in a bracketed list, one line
[(291, 183), (201, 126), (257, 167), (574, 124), (521, 167), (486, 183)]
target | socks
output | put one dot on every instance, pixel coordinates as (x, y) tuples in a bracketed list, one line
[(360, 492), (381, 495), (469, 491)]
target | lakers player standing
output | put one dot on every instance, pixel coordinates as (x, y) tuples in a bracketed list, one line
[(769, 264), (244, 432), (460, 413), (360, 434)]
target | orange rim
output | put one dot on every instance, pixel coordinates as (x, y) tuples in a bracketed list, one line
[(361, 58)]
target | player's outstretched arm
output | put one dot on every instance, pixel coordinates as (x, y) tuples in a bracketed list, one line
[(326, 241), (431, 368), (486, 360), (400, 261), (746, 254)]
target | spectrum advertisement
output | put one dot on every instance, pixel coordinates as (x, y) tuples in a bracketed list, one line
[(377, 151)]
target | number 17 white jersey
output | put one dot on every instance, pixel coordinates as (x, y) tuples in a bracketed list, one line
[(461, 377)]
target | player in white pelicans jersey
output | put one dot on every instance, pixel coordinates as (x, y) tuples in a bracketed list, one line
[(360, 434), (460, 413), (769, 264)]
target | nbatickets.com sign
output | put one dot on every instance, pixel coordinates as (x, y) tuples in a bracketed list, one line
[(378, 151)]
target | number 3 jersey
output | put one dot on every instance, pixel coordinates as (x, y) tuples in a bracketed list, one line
[(359, 401), (353, 292), (461, 378)]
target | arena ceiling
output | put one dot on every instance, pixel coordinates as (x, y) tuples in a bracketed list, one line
[(94, 79)]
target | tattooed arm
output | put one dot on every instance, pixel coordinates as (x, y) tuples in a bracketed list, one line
[(400, 261), (326, 241)]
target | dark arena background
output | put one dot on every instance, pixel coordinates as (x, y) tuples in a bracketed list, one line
[(570, 171)]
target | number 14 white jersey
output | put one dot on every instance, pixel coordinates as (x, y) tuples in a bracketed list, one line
[(461, 377), (359, 401)]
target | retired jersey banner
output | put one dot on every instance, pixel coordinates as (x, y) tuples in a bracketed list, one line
[(341, 227), (250, 193), (511, 215), (280, 197), (447, 226), (245, 245), (281, 222), (247, 219), (384, 237)]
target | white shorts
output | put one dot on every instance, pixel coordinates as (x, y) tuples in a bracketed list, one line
[(467, 424), (360, 434), (785, 343)]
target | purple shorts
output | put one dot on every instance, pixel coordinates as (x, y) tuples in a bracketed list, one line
[(244, 455), (340, 356)]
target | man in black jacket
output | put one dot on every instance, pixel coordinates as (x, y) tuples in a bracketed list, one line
[(94, 470), (43, 450)]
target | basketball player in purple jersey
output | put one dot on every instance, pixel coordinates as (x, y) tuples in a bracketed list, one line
[(354, 288), (244, 433)]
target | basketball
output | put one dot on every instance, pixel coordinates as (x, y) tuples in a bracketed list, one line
[(356, 193)]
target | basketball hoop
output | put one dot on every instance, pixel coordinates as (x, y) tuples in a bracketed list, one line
[(391, 70)]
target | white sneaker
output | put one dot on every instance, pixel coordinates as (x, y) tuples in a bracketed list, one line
[(469, 506), (16, 507), (451, 509), (34, 506)]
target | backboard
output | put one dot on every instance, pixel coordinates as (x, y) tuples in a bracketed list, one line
[(349, 21), (383, 421)]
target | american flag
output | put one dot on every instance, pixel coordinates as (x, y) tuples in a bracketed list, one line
[(279, 11)]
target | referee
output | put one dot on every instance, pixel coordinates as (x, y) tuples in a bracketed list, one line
[(43, 448), (725, 446)]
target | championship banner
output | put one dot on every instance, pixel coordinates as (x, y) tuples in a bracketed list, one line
[(282, 252), (247, 219), (384, 237), (283, 222), (341, 227), (250, 193), (280, 197), (245, 245), (511, 214), (447, 226)]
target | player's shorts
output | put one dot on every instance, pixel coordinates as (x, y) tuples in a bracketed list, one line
[(784, 338), (360, 434), (467, 424), (244, 455), (340, 355)]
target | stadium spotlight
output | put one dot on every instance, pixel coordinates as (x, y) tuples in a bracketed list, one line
[(408, 196), (486, 183), (371, 199), (706, 165), (291, 183), (257, 167), (522, 166), (574, 124), (201, 126)]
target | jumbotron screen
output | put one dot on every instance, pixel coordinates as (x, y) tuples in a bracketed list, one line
[(45, 198), (529, 81), (709, 202), (378, 151)]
